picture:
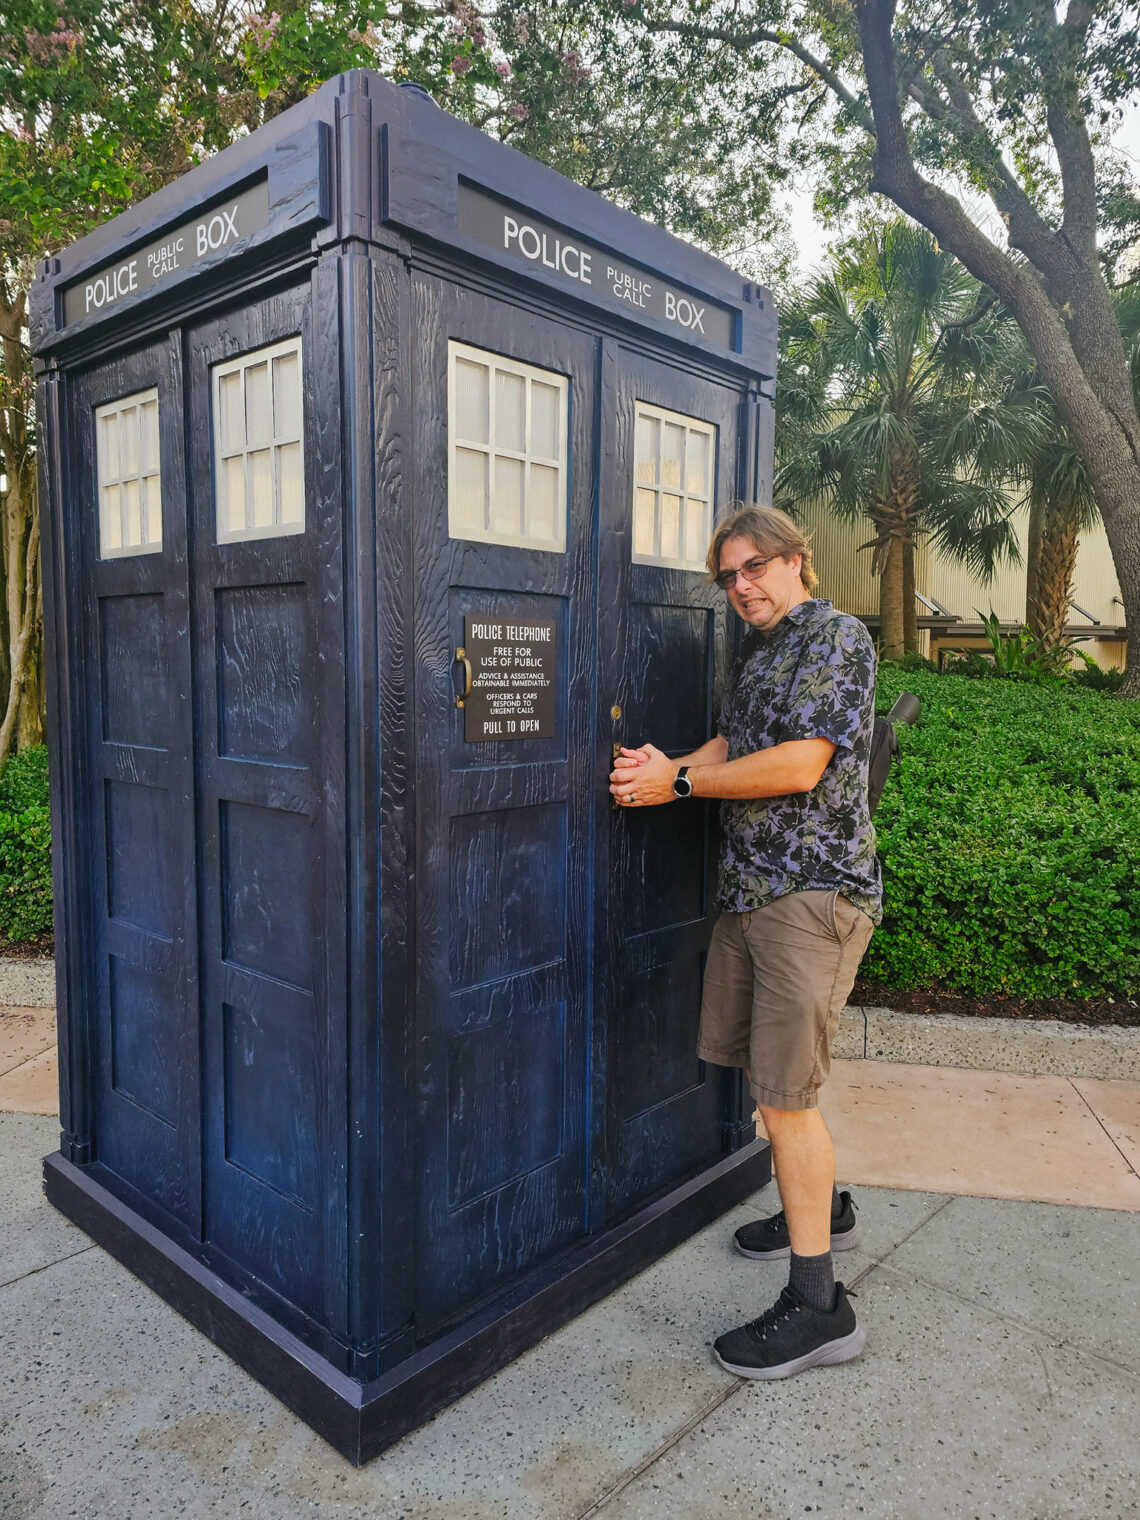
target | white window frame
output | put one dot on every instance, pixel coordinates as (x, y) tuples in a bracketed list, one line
[(148, 480), (273, 443), (498, 364), (658, 487)]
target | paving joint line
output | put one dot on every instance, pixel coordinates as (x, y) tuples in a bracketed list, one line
[(1111, 1139), (47, 1266), (1006, 1318), (659, 1451), (880, 1261)]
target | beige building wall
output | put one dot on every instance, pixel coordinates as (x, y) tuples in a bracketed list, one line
[(844, 571)]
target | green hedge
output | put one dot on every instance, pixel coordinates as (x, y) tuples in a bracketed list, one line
[(1009, 833), (25, 847)]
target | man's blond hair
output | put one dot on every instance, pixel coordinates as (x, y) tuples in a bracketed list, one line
[(772, 531)]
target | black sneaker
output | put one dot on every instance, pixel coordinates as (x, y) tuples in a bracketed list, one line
[(790, 1337), (768, 1240)]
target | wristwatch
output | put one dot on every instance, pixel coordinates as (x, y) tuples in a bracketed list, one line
[(682, 786)]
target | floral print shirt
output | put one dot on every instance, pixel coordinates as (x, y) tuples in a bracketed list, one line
[(812, 677)]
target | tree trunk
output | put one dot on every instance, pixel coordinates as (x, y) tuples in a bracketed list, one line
[(910, 603), (1033, 557), (1049, 610), (891, 635)]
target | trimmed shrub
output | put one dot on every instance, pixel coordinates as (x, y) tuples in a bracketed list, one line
[(1009, 833), (25, 847)]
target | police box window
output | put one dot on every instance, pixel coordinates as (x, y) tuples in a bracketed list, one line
[(673, 488), (259, 469), (127, 473), (506, 450)]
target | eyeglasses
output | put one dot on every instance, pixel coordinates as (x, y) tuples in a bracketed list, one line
[(751, 570)]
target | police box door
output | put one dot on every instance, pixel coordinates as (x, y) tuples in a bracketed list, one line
[(503, 544), (669, 451)]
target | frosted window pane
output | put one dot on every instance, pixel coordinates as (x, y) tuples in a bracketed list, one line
[(129, 442), (697, 464), (510, 411), (232, 514), (148, 416), (258, 419), (261, 488), (672, 450), (644, 510), (132, 527), (472, 393), (287, 396), (470, 493), (290, 469), (112, 520), (697, 534), (109, 447), (506, 498), (230, 408), (151, 510), (544, 412), (542, 503), (648, 434), (670, 527)]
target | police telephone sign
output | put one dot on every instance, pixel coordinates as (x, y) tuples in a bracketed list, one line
[(211, 232), (511, 663)]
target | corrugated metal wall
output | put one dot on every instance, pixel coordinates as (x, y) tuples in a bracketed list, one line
[(845, 578)]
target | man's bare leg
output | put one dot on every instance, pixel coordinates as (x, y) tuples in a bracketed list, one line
[(803, 1158)]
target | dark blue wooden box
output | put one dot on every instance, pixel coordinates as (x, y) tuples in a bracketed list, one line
[(377, 1038)]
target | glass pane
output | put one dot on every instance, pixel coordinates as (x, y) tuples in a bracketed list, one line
[(697, 529), (151, 499), (230, 412), (697, 465), (670, 527), (469, 494), (545, 406), (542, 505), (672, 453), (507, 496), (129, 441), (132, 525), (644, 510), (510, 411), (108, 447), (261, 487), (291, 483), (648, 436), (111, 536), (287, 396), (258, 418), (472, 403), (148, 419), (231, 509)]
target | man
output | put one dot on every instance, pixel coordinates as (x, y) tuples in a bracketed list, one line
[(800, 893)]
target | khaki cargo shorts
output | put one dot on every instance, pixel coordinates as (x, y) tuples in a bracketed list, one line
[(775, 982)]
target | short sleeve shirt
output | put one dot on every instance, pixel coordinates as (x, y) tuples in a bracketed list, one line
[(812, 677)]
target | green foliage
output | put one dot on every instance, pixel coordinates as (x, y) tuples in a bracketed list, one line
[(25, 847), (1094, 676), (1009, 833)]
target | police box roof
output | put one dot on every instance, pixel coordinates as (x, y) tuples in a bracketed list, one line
[(363, 158)]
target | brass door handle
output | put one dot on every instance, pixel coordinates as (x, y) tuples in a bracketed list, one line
[(461, 659)]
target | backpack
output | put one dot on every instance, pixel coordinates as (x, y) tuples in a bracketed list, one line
[(885, 745)]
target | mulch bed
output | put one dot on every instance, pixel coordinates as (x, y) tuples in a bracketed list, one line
[(28, 949), (941, 1000)]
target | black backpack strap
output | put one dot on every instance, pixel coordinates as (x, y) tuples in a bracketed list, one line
[(884, 748)]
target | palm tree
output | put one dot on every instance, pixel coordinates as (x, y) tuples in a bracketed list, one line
[(893, 405)]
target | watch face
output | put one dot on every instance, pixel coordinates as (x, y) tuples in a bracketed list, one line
[(682, 786)]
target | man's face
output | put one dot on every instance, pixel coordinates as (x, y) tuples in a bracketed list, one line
[(761, 603)]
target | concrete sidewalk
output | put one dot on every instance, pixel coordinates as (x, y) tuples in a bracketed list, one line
[(1000, 1378)]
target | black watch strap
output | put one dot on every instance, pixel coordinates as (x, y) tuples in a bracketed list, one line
[(682, 786)]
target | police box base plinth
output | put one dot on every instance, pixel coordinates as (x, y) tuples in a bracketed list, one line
[(361, 1419)]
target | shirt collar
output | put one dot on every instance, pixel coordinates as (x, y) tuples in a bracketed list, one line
[(798, 614)]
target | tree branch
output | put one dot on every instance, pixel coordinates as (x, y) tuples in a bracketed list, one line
[(743, 41), (1074, 152)]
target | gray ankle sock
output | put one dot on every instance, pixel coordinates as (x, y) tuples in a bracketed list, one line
[(814, 1280), (836, 1203)]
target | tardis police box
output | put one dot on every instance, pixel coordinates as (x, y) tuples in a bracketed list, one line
[(379, 465)]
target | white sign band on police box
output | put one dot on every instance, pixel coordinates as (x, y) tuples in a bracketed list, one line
[(612, 283), (210, 232)]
